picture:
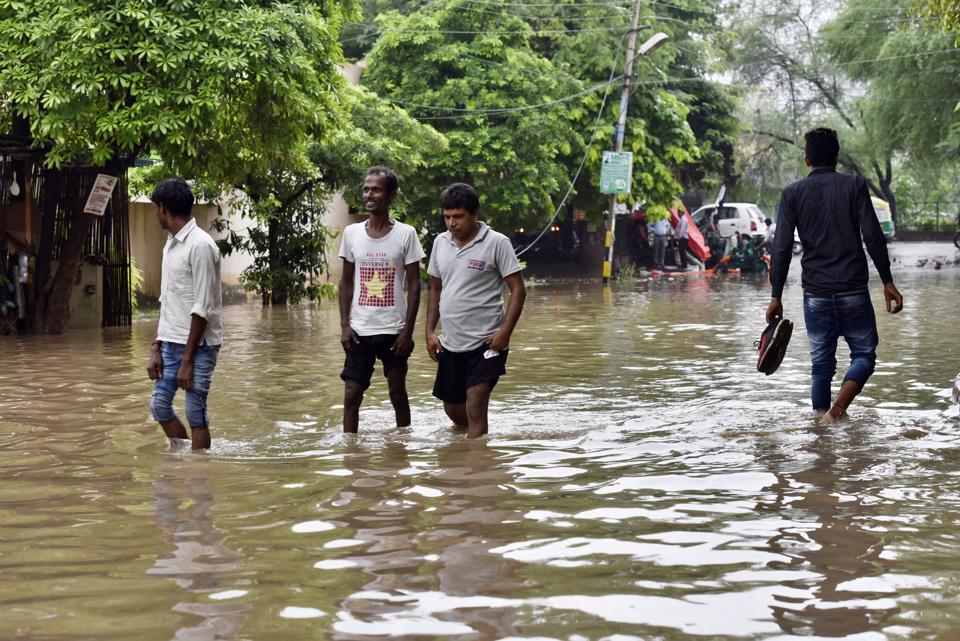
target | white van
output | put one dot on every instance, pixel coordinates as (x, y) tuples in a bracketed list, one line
[(730, 218)]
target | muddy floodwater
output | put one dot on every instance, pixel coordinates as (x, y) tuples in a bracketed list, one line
[(641, 481)]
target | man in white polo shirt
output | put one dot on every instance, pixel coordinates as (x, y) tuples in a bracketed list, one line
[(469, 267), (185, 352), (381, 258)]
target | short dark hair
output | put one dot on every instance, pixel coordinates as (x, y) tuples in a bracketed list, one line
[(822, 147), (175, 195), (460, 196), (390, 180)]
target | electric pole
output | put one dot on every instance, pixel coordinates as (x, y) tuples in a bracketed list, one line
[(647, 46)]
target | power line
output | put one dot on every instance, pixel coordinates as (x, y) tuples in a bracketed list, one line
[(586, 152)]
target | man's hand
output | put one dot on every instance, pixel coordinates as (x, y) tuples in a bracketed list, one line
[(433, 346), (403, 344), (348, 337), (774, 309), (893, 298), (500, 341), (185, 375), (155, 363)]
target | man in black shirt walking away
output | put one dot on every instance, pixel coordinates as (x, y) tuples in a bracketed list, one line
[(834, 217)]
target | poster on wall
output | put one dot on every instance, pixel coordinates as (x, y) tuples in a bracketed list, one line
[(100, 195)]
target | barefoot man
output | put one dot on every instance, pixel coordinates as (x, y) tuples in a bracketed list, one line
[(834, 217), (381, 259), (469, 266)]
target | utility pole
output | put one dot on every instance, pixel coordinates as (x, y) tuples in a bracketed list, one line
[(647, 46)]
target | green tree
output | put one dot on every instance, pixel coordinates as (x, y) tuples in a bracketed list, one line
[(680, 124), (945, 14), (218, 88), (289, 240), (477, 80)]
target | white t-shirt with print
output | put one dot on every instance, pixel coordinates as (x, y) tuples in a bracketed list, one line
[(379, 295)]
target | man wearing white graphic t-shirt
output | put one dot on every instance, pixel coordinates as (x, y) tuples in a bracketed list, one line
[(381, 258)]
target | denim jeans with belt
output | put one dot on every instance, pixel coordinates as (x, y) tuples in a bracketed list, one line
[(851, 316), (164, 389)]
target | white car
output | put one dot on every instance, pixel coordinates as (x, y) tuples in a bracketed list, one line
[(731, 218)]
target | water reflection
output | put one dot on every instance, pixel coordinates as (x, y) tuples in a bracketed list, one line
[(833, 553), (199, 563), (420, 529), (640, 481)]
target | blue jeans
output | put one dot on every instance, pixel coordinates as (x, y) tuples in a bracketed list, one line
[(827, 319), (164, 389)]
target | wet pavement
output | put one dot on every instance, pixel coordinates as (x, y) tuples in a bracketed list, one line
[(641, 481)]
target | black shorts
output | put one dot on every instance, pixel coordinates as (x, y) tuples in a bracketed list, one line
[(458, 371), (358, 366)]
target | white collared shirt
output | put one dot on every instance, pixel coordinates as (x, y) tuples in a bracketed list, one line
[(190, 284)]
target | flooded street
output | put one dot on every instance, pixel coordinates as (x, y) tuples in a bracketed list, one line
[(641, 481)]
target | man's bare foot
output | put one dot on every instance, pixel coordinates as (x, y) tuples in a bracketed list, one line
[(834, 415)]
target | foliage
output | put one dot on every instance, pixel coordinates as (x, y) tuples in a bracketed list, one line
[(215, 87), (469, 85), (357, 38), (945, 14), (288, 248), (912, 94), (136, 283), (287, 238), (680, 125), (375, 132)]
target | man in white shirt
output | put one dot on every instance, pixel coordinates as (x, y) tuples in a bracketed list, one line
[(381, 258), (190, 331), (659, 229)]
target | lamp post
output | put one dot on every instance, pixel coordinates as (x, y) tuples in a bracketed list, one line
[(651, 44)]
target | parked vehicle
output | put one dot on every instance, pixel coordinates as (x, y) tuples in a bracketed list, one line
[(729, 219)]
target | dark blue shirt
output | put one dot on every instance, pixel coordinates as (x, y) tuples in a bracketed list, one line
[(834, 217)]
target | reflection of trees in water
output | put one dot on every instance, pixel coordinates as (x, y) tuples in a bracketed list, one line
[(427, 533), (199, 563), (837, 549)]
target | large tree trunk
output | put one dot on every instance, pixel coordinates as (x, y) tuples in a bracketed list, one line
[(885, 179), (69, 194), (278, 291), (57, 316), (52, 184)]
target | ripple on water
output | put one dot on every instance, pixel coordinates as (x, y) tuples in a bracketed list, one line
[(641, 481)]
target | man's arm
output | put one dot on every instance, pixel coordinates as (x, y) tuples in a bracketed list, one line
[(198, 325), (877, 247), (518, 294), (433, 317), (403, 345), (345, 299), (781, 255), (155, 361)]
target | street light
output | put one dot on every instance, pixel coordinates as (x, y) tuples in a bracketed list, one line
[(651, 44)]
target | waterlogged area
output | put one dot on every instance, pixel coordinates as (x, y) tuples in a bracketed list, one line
[(641, 481)]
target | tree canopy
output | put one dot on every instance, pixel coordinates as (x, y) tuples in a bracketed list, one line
[(220, 87)]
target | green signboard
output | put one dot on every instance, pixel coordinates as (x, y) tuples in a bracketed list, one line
[(616, 170)]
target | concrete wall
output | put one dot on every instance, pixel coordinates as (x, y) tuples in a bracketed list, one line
[(147, 239)]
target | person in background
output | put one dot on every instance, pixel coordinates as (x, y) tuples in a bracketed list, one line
[(682, 234), (659, 230), (768, 237)]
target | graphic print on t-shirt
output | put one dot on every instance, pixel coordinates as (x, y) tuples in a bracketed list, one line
[(376, 282)]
